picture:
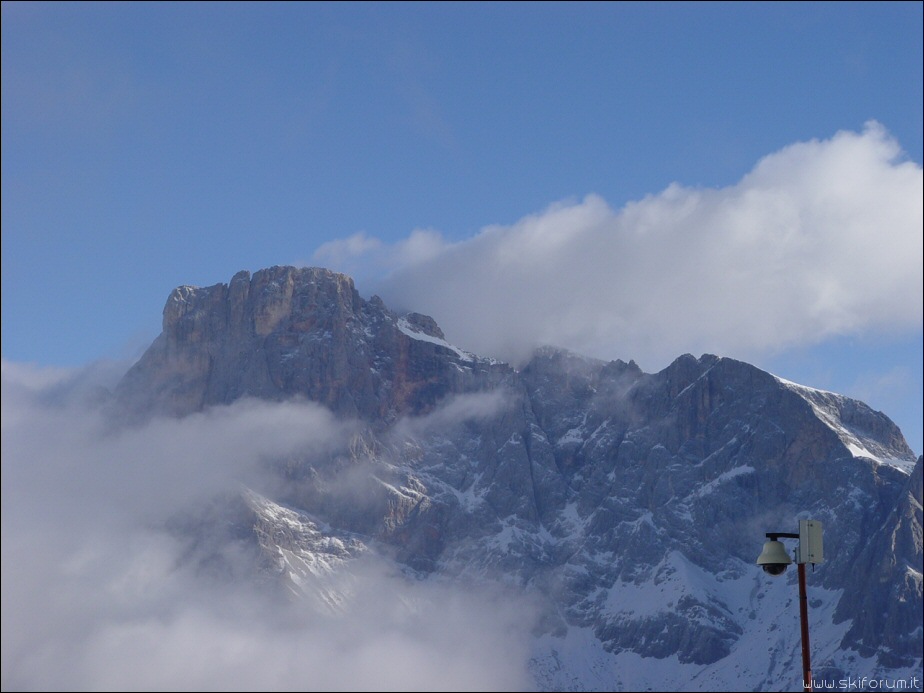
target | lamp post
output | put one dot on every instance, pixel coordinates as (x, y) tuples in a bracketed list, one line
[(774, 559)]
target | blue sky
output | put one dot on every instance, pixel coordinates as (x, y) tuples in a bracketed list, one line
[(630, 180)]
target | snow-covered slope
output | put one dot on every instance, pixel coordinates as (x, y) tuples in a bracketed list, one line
[(858, 427)]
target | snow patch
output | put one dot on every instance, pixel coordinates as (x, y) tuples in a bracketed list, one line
[(826, 406), (411, 332), (723, 478)]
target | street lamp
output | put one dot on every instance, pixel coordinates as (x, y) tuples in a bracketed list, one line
[(774, 560)]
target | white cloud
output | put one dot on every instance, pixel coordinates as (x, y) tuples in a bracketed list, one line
[(821, 238), (96, 595), (58, 446), (455, 411), (362, 256), (341, 251)]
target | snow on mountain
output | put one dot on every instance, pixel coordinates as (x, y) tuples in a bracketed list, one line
[(632, 506), (312, 562), (841, 414), (411, 331)]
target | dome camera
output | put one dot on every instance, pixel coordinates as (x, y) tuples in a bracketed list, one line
[(774, 559)]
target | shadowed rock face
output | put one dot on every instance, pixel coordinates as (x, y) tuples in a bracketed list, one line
[(887, 588), (636, 503)]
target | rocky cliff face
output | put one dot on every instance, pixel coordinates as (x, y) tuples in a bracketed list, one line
[(635, 504), (289, 331)]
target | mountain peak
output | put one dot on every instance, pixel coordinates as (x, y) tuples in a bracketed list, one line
[(258, 302), (297, 331)]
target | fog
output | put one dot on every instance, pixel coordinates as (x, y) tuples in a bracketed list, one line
[(96, 595)]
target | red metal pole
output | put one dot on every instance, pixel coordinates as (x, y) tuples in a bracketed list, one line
[(803, 618)]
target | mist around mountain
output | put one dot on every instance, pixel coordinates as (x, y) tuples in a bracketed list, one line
[(297, 488)]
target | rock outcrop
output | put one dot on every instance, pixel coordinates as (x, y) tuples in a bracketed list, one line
[(289, 331)]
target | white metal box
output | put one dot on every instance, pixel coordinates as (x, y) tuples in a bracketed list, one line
[(811, 549)]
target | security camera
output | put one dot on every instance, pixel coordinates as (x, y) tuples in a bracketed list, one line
[(774, 568), (774, 559)]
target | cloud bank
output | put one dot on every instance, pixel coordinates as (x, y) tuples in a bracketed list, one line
[(821, 238), (96, 595)]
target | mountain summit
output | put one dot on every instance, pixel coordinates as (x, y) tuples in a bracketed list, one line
[(632, 506), (289, 331)]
